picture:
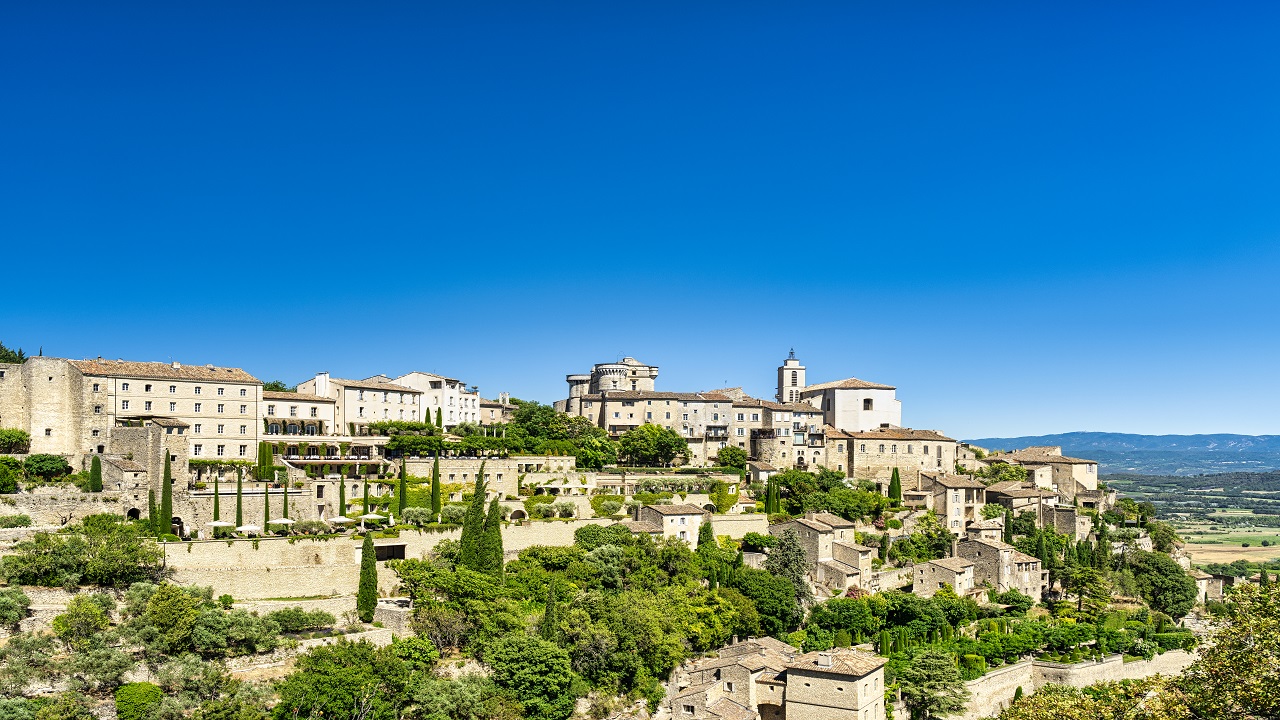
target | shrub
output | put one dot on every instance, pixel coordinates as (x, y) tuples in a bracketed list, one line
[(453, 514), (296, 620), (226, 601), (894, 523), (46, 466), (564, 509), (137, 701), (600, 502), (311, 527), (757, 542), (15, 521), (607, 508), (418, 516), (13, 440), (1174, 640)]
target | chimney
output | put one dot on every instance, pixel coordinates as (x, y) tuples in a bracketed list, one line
[(954, 547), (825, 660), (176, 365)]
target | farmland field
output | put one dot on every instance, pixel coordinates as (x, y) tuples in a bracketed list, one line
[(1206, 545)]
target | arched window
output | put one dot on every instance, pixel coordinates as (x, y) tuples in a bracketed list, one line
[(273, 429), (795, 378)]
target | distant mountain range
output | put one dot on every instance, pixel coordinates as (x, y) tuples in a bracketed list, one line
[(1158, 454)]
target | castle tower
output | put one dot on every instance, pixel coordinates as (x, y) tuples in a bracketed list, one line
[(790, 379)]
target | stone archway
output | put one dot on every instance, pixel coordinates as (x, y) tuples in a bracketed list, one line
[(134, 514), (709, 507), (519, 515), (177, 527)]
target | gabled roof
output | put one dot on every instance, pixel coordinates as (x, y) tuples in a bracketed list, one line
[(843, 662), (991, 524), (953, 481), (162, 371), (834, 521), (168, 422), (373, 384), (891, 433), (300, 397), (1007, 485), (841, 567), (852, 546), (954, 564), (1039, 456), (1021, 557), (848, 384), (641, 526)]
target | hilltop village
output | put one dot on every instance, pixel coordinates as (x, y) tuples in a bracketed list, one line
[(695, 554)]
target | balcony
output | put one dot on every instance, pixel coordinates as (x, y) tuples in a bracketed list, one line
[(763, 433), (717, 433)]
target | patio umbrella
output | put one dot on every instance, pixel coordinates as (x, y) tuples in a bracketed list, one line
[(221, 524), (341, 519), (281, 521), (369, 516), (248, 528)]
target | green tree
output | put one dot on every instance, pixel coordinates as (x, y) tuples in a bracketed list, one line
[(652, 445), (473, 527), (489, 547), (266, 508), (439, 419), (539, 673), (774, 599), (895, 488), (1163, 584), (789, 560), (284, 499), (345, 680), (95, 474), (402, 493), (166, 498), (734, 457), (435, 489), (45, 466), (1238, 672), (342, 496), (418, 652), (239, 496), (1008, 526), (365, 504), (549, 629), (138, 701), (12, 357), (67, 706), (931, 685), (153, 512), (278, 386), (83, 620), (367, 594), (168, 620), (706, 536)]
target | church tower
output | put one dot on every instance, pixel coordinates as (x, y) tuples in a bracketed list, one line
[(790, 379)]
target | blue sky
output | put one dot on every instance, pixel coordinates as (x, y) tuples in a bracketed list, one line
[(1029, 219)]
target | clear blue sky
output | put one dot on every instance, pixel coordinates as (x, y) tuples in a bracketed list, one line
[(1028, 219)]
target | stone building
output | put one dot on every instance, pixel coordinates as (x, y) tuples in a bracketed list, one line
[(74, 407), (358, 403), (1069, 476), (1001, 566), (836, 560), (450, 396), (874, 454), (955, 572), (766, 679), (676, 521), (626, 374), (956, 499), (495, 412), (702, 419)]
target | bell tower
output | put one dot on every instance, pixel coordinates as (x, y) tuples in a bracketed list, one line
[(790, 379)]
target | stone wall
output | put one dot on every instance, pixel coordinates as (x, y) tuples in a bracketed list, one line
[(993, 692)]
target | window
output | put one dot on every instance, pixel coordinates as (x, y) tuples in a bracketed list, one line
[(795, 378), (741, 417), (48, 432), (196, 428), (146, 405), (685, 416), (124, 386), (244, 409), (359, 394), (146, 388), (688, 709), (893, 448), (728, 686), (173, 389), (617, 415), (197, 407), (124, 404), (908, 449), (925, 449), (196, 449), (221, 450), (244, 429), (319, 492), (360, 411), (881, 447), (839, 447), (220, 427), (271, 409), (715, 417), (95, 432), (741, 432), (220, 390), (95, 385), (862, 447), (668, 416), (866, 404), (97, 409), (314, 411), (197, 390), (173, 407), (221, 407), (648, 416), (293, 411)]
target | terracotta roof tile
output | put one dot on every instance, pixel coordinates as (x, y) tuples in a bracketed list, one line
[(373, 384), (954, 564), (843, 662), (162, 371), (847, 384), (300, 397)]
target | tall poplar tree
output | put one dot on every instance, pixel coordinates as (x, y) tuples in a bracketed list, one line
[(895, 487), (367, 594), (153, 512), (285, 509), (366, 497), (489, 547), (473, 526), (1008, 526), (95, 474), (239, 496), (435, 489), (342, 496), (402, 501), (166, 498), (439, 419), (217, 514), (266, 508)]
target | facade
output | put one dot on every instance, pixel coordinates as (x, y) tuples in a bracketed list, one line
[(292, 413), (74, 407), (835, 558), (999, 565), (451, 397), (957, 573), (957, 499), (702, 419), (358, 403), (1068, 476), (677, 521), (626, 374), (765, 679), (874, 454), (496, 412)]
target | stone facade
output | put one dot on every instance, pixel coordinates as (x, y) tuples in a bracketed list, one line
[(1000, 566), (955, 572), (357, 403), (874, 454), (450, 396)]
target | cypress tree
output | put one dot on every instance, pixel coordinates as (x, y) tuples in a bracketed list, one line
[(402, 501), (550, 616), (706, 536), (1263, 579), (153, 512), (1017, 694), (166, 498), (1008, 526), (435, 489), (439, 419), (489, 548), (217, 514), (266, 508), (342, 496), (239, 497), (367, 595), (366, 497), (884, 546), (885, 648), (473, 527), (895, 487), (285, 510), (95, 474)]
